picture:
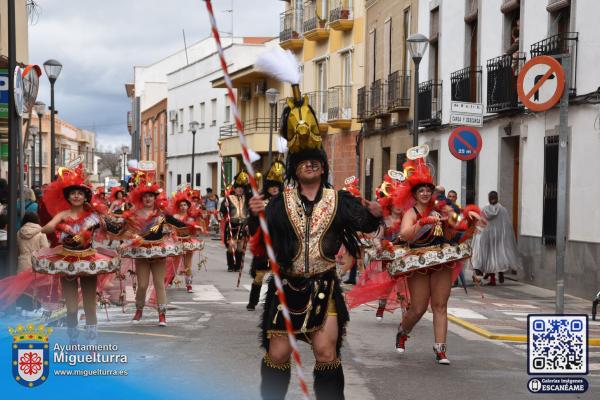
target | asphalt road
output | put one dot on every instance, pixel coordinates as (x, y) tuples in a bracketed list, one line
[(211, 350)]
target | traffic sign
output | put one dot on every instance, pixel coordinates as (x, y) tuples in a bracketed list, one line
[(541, 82), (465, 143), (19, 96), (466, 108)]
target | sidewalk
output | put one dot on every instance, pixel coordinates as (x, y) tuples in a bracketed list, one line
[(500, 312)]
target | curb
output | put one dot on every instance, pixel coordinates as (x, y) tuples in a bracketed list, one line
[(503, 337)]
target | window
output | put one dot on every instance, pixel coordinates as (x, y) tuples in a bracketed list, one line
[(400, 160), (178, 179), (406, 33), (372, 58), (202, 115), (368, 178), (180, 120), (347, 83), (387, 47), (550, 190), (385, 161), (324, 11), (197, 180), (227, 110), (560, 20), (191, 111), (213, 112), (434, 53), (188, 178), (321, 71)]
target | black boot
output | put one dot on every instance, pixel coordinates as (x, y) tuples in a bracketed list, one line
[(254, 297), (275, 379), (239, 257), (329, 380), (230, 263)]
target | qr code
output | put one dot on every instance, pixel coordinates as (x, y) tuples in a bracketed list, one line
[(557, 344)]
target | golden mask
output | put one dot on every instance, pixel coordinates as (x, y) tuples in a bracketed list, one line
[(276, 173), (302, 127)]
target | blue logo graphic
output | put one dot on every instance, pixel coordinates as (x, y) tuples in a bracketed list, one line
[(30, 354)]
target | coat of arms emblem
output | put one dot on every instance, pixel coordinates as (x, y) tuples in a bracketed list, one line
[(30, 354)]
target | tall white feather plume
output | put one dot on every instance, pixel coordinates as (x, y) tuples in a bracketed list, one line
[(254, 156), (282, 146), (280, 64)]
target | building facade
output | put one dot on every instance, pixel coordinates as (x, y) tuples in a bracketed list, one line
[(154, 138), (384, 103), (480, 49), (328, 38), (193, 97)]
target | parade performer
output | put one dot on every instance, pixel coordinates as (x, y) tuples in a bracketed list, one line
[(150, 245), (69, 200), (100, 196), (235, 212), (436, 251), (117, 200), (182, 209), (272, 187), (308, 222)]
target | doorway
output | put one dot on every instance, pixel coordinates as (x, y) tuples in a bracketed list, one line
[(508, 188)]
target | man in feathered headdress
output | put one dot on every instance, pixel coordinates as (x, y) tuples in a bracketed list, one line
[(308, 224), (234, 211)]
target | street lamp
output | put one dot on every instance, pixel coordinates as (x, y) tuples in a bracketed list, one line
[(124, 151), (34, 132), (194, 125), (148, 141), (417, 44), (40, 110), (272, 95), (52, 68)]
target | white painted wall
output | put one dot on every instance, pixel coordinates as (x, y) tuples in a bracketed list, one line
[(190, 86), (585, 138)]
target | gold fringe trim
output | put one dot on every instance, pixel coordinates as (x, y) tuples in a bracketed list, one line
[(77, 253), (269, 363), (328, 366)]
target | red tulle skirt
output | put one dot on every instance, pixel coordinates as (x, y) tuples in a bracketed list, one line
[(60, 261)]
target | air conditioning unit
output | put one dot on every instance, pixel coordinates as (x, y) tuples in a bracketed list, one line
[(173, 115), (261, 87), (245, 93)]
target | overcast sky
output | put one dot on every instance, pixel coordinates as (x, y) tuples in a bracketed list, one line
[(99, 42)]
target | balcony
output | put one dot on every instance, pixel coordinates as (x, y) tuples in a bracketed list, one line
[(315, 28), (502, 73), (430, 103), (290, 31), (339, 107), (362, 104), (377, 99), (318, 102), (340, 17), (466, 85), (398, 91), (257, 135), (557, 45)]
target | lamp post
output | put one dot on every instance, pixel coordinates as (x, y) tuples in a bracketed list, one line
[(148, 142), (40, 110), (272, 95), (417, 44), (194, 125), (52, 68), (124, 151), (34, 133)]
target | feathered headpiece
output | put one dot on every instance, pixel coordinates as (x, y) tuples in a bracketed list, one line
[(57, 192), (144, 177), (299, 123), (178, 198), (113, 193), (351, 185)]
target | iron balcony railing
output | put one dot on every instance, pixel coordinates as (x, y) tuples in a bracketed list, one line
[(430, 103), (362, 104), (557, 45), (466, 85), (398, 90), (377, 98), (312, 21), (339, 103), (290, 25), (256, 125), (341, 10), (318, 100), (502, 73)]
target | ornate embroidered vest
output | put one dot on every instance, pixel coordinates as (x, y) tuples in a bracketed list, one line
[(310, 230), (237, 207)]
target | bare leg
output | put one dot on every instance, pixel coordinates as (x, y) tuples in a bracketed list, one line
[(440, 285), (325, 339), (328, 372), (157, 266), (142, 270), (418, 286), (88, 293)]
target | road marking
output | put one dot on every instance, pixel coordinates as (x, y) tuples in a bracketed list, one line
[(518, 313), (521, 319), (594, 366), (515, 305), (138, 333), (465, 313), (473, 301), (263, 291), (207, 293)]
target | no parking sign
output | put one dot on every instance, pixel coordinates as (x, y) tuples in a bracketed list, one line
[(465, 143)]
